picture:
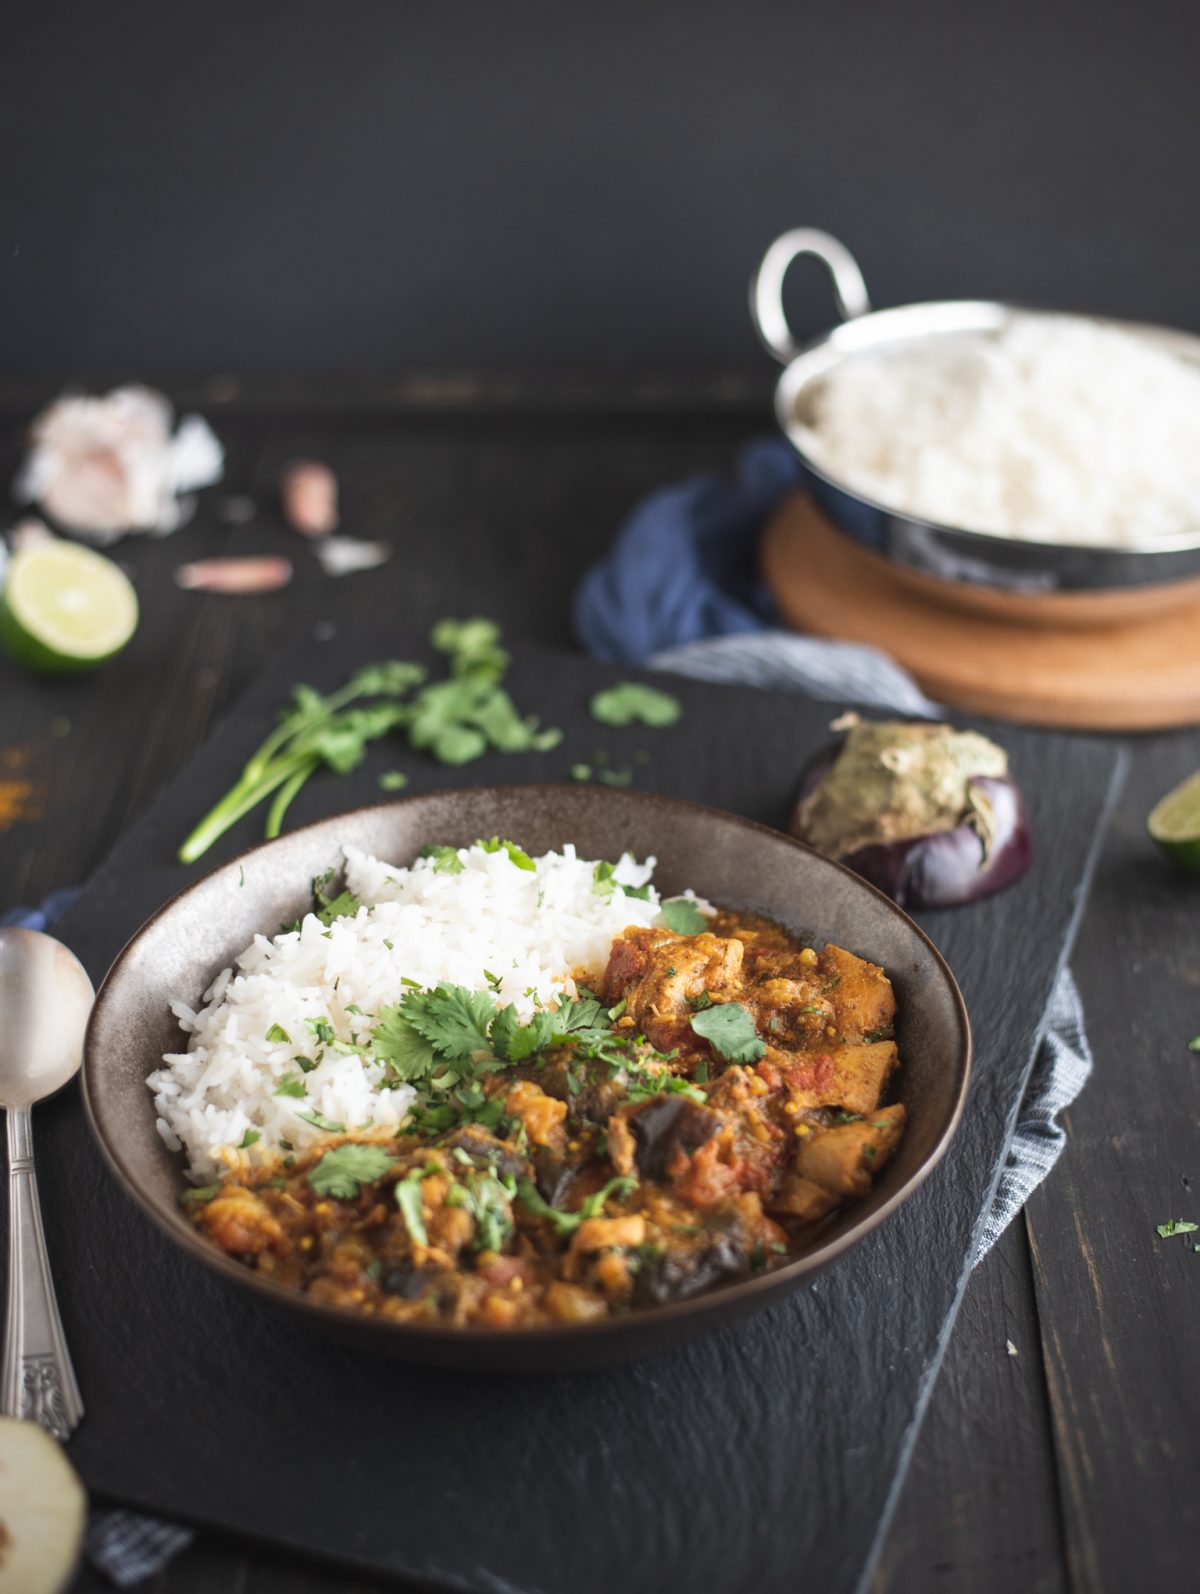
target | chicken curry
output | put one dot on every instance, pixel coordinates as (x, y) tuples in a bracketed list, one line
[(687, 1124)]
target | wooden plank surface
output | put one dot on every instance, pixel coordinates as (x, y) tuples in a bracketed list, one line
[(1119, 1306), (499, 514)]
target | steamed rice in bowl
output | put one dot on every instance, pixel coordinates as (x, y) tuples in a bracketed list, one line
[(1053, 429)]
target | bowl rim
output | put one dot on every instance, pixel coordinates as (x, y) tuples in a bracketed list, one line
[(612, 1328), (978, 315)]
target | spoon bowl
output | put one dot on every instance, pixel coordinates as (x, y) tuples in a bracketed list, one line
[(45, 1000)]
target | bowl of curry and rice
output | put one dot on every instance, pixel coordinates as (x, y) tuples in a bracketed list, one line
[(528, 1076)]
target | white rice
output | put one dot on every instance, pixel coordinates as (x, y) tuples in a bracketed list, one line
[(1055, 429), (535, 931)]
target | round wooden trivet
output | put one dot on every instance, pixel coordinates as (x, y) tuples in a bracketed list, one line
[(1136, 674)]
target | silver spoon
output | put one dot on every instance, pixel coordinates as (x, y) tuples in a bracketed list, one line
[(45, 999)]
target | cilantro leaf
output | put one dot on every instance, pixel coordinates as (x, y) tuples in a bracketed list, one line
[(395, 1042), (565, 1223), (682, 916), (291, 1085), (250, 1138), (458, 744), (344, 905), (279, 1035), (202, 1192), (631, 703), (452, 1019), (343, 1170), (1176, 1226), (446, 859), (393, 780), (516, 854), (605, 883), (408, 1199), (327, 1124), (473, 646), (487, 1200), (1194, 1044), (322, 1029), (729, 1030)]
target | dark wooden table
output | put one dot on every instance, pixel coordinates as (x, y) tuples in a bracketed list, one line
[(1072, 1463)]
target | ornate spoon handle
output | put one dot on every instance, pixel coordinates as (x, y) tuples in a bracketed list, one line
[(37, 1381)]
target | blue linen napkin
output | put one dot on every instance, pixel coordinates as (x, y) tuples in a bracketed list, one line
[(679, 590)]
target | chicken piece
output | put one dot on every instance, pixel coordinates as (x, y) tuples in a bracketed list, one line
[(661, 977), (863, 1002), (240, 1222), (622, 1147), (803, 1200), (852, 1077), (570, 1303), (791, 1012), (542, 1115), (599, 1234), (845, 1159)]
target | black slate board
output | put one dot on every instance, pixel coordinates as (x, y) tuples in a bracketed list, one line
[(766, 1456)]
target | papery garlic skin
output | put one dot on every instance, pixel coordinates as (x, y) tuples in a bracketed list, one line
[(102, 467)]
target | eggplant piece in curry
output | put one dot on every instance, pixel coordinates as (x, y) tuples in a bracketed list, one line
[(688, 1125)]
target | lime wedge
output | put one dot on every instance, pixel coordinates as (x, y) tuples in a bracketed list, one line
[(1175, 824), (65, 608)]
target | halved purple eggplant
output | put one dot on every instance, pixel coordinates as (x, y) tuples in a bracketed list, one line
[(978, 839)]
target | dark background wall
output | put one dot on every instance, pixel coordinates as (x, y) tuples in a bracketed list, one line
[(384, 188)]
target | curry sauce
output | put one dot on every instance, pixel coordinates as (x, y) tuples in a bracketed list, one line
[(724, 1099)]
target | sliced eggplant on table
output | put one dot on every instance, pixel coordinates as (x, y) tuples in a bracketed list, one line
[(928, 814)]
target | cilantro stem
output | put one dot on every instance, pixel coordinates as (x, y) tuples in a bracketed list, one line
[(237, 802), (284, 796)]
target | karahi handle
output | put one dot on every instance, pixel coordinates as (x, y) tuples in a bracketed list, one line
[(766, 292)]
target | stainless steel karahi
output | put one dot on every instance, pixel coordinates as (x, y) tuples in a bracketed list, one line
[(973, 562)]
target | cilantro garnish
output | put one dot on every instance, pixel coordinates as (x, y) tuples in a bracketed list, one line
[(1194, 1044), (452, 1019), (1176, 1226), (327, 1124), (279, 1035), (729, 1030), (446, 859), (203, 1192), (682, 916), (394, 1041), (565, 1223), (291, 1085), (250, 1138), (343, 1170), (516, 854), (393, 780), (322, 1029), (408, 1199), (581, 772), (455, 720), (631, 703), (604, 883), (314, 730), (487, 1200), (343, 906)]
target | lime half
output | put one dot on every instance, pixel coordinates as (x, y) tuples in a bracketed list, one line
[(65, 608), (1175, 824)]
